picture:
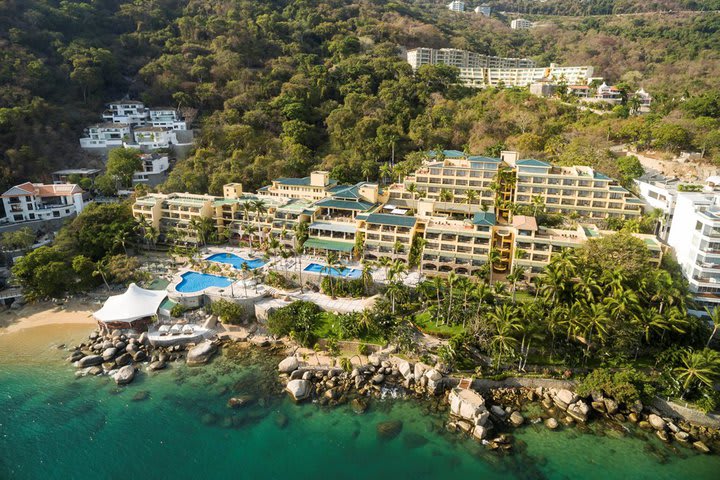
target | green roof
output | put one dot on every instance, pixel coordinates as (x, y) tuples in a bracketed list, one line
[(349, 192), (601, 176), (531, 162), (158, 284), (329, 245), (167, 304), (344, 204), (293, 181), (396, 220), (484, 218), (447, 153)]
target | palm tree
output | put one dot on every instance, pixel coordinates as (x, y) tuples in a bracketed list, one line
[(398, 248), (385, 263), (594, 321), (332, 265), (260, 207), (622, 304), (470, 198), (250, 230), (396, 269), (715, 319), (451, 280), (446, 195), (245, 269), (698, 368), (101, 270), (366, 276), (493, 258), (538, 203), (438, 284), (412, 189), (394, 290), (120, 239), (517, 274), (386, 172)]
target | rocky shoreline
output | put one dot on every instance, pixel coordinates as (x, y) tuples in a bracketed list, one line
[(122, 355), (488, 419)]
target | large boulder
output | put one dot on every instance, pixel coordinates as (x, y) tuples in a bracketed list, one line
[(201, 353), (406, 370), (468, 405), (434, 380), (299, 389), (551, 423), (156, 365), (419, 371), (656, 422), (125, 375), (288, 365), (564, 398), (89, 361), (124, 359), (389, 430), (611, 406), (516, 419), (579, 411)]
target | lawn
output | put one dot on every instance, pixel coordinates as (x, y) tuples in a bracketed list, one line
[(426, 323), (326, 330)]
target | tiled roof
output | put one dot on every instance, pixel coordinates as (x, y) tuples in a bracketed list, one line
[(480, 158), (484, 218), (43, 190), (601, 176), (395, 220), (524, 222)]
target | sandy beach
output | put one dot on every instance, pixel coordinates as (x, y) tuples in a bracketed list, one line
[(46, 313)]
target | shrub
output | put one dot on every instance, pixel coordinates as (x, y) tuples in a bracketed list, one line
[(228, 312), (626, 386), (363, 349), (177, 310), (343, 288), (299, 319), (275, 279)]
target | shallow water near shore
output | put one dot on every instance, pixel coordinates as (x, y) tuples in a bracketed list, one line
[(54, 426)]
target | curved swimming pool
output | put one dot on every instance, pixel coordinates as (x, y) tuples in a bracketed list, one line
[(196, 282), (235, 260)]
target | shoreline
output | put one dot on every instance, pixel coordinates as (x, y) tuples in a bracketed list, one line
[(41, 314)]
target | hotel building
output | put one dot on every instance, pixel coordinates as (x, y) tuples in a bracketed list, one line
[(433, 211), (462, 59)]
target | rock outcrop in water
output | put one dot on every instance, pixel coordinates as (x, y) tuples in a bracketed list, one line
[(201, 353)]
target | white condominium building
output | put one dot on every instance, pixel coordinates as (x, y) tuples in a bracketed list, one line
[(462, 59), (456, 6), (130, 112), (104, 135), (520, 24), (38, 201), (695, 236), (524, 77)]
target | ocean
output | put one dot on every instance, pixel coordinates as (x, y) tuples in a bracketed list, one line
[(176, 424)]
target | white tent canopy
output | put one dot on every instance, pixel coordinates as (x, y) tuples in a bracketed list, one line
[(134, 304)]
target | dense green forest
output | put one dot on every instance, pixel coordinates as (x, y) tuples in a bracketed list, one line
[(599, 7), (283, 86)]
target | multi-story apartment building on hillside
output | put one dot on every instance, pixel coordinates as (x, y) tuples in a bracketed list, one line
[(452, 215), (418, 57), (695, 236)]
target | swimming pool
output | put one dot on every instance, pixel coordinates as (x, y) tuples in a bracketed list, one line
[(235, 261), (196, 282), (344, 273)]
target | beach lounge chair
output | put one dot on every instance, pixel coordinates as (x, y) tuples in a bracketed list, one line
[(163, 330), (188, 330), (175, 330)]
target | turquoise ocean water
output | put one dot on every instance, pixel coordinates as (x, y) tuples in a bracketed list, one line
[(53, 426)]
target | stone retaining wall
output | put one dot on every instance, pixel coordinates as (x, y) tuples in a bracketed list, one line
[(691, 415), (483, 385)]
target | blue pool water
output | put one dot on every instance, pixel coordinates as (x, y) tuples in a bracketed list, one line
[(195, 282), (235, 261), (344, 273)]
